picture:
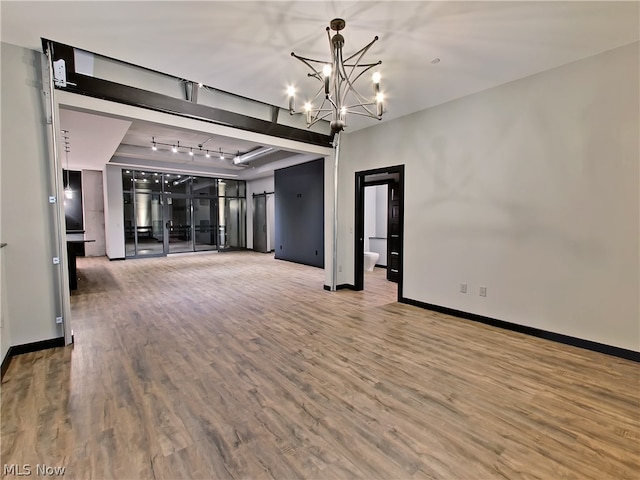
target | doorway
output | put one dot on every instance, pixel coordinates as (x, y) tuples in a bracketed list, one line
[(393, 178), (168, 213), (260, 223)]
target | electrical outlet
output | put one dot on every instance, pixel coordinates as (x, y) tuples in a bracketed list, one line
[(56, 260), (58, 319), (483, 291), (463, 288)]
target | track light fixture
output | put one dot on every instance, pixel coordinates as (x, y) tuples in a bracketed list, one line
[(237, 158), (192, 151)]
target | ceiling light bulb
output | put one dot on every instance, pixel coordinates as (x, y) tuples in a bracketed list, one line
[(191, 152), (200, 85), (307, 106), (143, 173), (379, 97), (376, 77), (154, 147), (291, 91), (221, 156), (174, 149), (68, 193), (207, 154), (326, 70)]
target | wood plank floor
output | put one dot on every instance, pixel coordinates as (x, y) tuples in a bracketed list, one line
[(236, 365)]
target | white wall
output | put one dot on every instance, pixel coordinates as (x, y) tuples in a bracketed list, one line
[(529, 189), (260, 185), (370, 216), (113, 212), (26, 215), (93, 209), (375, 221)]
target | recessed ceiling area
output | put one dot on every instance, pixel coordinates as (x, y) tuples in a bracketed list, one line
[(95, 140)]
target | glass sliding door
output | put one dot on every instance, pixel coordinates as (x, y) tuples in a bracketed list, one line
[(178, 225), (149, 232), (174, 213), (234, 221), (129, 225), (204, 221)]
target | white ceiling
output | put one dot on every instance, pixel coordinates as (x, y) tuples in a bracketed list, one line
[(244, 47)]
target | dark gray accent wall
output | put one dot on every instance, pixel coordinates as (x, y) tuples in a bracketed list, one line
[(299, 213)]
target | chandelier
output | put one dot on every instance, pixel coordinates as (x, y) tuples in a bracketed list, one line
[(337, 95)]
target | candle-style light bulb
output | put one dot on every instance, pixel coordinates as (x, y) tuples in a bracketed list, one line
[(307, 109), (291, 91), (326, 71), (379, 100)]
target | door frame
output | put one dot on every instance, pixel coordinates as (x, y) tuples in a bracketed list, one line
[(358, 238)]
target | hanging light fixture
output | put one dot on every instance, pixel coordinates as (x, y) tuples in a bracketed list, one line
[(337, 97)]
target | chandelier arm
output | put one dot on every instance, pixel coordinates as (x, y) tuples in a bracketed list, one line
[(365, 107), (361, 98), (332, 102), (362, 65), (316, 111), (357, 62), (316, 73), (370, 114), (317, 118), (366, 69), (365, 48), (305, 59)]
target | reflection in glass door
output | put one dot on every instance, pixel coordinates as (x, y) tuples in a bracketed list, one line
[(204, 220), (178, 225), (149, 223)]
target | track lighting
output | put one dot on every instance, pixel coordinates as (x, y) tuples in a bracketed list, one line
[(192, 151)]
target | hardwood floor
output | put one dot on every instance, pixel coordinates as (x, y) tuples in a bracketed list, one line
[(236, 365)]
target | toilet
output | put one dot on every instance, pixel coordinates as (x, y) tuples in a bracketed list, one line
[(370, 259)]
